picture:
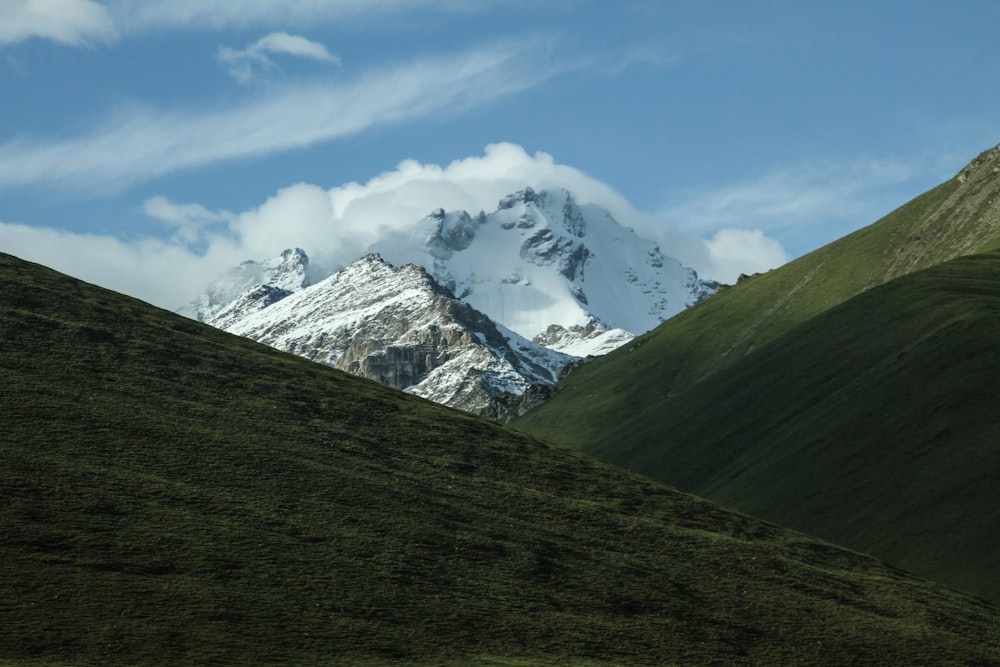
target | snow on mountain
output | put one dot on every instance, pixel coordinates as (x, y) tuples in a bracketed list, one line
[(477, 312), (398, 326), (565, 275), (288, 272)]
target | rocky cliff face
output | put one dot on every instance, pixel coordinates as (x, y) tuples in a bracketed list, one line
[(397, 326), (964, 220)]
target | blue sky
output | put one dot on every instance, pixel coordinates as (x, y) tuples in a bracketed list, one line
[(147, 146)]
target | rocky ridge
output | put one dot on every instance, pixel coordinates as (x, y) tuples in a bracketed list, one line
[(480, 312), (965, 220), (288, 273), (399, 327), (566, 275)]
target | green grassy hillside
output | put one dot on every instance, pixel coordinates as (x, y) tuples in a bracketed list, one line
[(175, 495), (873, 425), (959, 217)]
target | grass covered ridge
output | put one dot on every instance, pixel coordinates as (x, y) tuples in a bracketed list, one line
[(872, 425), (173, 494), (959, 217), (697, 404)]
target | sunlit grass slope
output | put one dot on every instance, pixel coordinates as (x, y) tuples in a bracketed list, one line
[(874, 424), (175, 495), (598, 403)]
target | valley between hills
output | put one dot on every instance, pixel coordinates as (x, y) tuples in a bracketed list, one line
[(850, 394), (797, 470)]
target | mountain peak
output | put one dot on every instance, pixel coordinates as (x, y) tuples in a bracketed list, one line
[(525, 196), (398, 326), (984, 165), (287, 273), (538, 198), (542, 259), (372, 258), (294, 254), (539, 282)]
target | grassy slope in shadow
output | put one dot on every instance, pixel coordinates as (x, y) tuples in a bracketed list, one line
[(871, 425), (176, 495)]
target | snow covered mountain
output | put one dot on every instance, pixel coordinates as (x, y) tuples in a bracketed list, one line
[(398, 326), (287, 273), (478, 312), (565, 275)]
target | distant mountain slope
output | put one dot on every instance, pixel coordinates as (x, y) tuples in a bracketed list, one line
[(397, 326), (173, 494), (872, 425)]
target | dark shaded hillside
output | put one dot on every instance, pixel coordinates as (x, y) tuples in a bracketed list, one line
[(176, 495), (959, 217), (873, 425)]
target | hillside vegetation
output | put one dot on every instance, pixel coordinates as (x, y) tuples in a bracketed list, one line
[(176, 495), (811, 397), (873, 425), (959, 217)]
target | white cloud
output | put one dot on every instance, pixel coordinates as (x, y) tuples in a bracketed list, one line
[(69, 22), (735, 251), (393, 201), (139, 144), (154, 270), (643, 56), (282, 42), (794, 204), (338, 225), (191, 221), (300, 215), (244, 64)]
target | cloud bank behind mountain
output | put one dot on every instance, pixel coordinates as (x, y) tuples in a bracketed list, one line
[(190, 244)]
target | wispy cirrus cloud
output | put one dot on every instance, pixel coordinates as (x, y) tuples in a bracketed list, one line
[(87, 22), (790, 202), (69, 22), (642, 56), (245, 64), (190, 222), (138, 144), (214, 14)]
